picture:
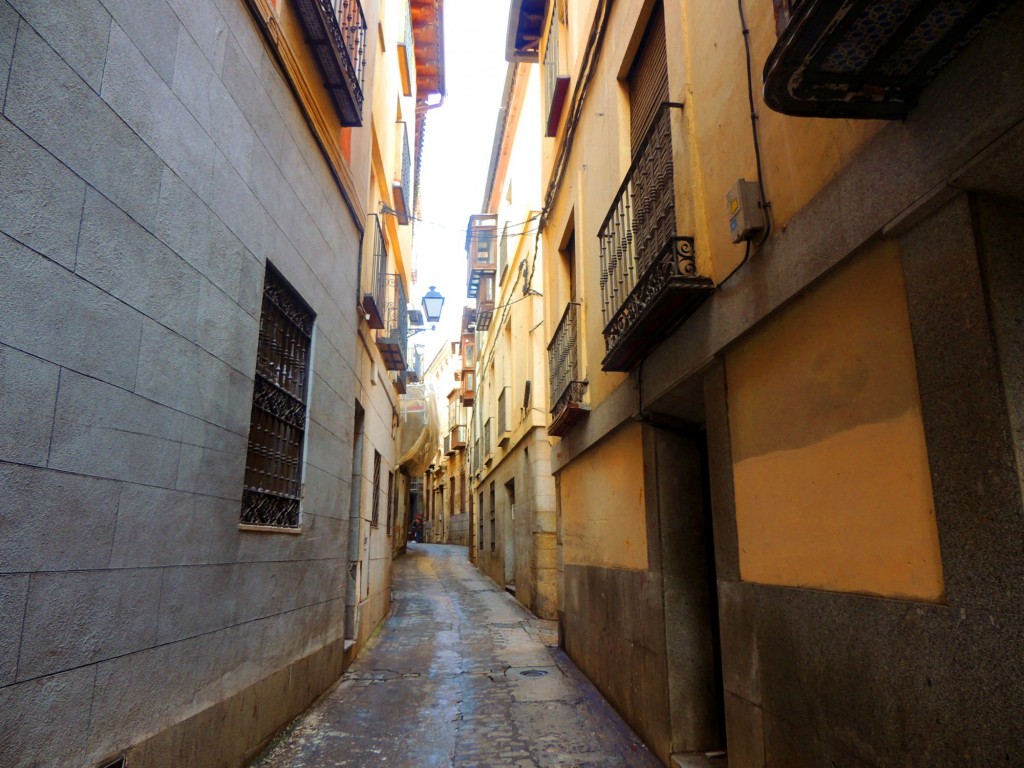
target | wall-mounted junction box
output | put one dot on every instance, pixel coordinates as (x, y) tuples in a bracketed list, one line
[(746, 216)]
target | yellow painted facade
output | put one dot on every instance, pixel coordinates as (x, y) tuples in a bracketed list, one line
[(830, 467), (603, 510)]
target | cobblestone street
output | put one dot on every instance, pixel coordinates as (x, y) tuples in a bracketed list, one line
[(459, 676)]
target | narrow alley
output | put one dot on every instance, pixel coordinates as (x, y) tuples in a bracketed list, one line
[(459, 675)]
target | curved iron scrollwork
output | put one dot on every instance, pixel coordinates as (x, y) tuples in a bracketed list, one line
[(648, 289), (281, 297), (279, 403), (686, 257), (276, 511)]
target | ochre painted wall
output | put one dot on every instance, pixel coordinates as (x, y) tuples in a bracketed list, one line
[(602, 497), (831, 472)]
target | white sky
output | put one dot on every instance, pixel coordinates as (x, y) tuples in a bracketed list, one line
[(456, 154)]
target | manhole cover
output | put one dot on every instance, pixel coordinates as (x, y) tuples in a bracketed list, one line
[(526, 672)]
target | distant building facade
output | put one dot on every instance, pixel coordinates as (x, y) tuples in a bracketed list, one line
[(514, 523), (198, 454)]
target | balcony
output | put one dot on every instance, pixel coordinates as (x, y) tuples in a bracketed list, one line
[(401, 188), (335, 31), (448, 446), (504, 417), (556, 78), (392, 339), (401, 380), (649, 278), (467, 393), (864, 58), (481, 237), (375, 261), (567, 390), (488, 429), (459, 435), (407, 57), (485, 303)]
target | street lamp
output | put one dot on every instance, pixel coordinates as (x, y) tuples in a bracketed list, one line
[(432, 303)]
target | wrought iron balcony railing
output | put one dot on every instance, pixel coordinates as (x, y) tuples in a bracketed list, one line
[(504, 416), (459, 434), (375, 262), (468, 392), (649, 277), (393, 338), (556, 80), (865, 58), (566, 387), (336, 33), (481, 242), (407, 56), (401, 189)]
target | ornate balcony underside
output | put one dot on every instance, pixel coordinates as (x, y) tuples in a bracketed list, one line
[(867, 58), (667, 292), (337, 39), (569, 409)]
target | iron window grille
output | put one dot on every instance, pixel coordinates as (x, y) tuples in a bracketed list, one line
[(390, 502), (273, 468), (375, 505)]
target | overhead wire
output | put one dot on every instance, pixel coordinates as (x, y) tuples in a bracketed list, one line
[(763, 201)]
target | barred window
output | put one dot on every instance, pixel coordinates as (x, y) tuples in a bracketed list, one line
[(391, 501), (273, 466), (375, 508)]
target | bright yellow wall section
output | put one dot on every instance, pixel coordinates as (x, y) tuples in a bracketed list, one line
[(829, 460), (602, 496)]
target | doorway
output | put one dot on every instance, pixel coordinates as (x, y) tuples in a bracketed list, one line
[(510, 539), (692, 633)]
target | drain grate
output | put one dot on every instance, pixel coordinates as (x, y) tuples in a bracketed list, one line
[(506, 624)]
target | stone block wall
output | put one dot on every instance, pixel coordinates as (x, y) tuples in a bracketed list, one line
[(152, 160)]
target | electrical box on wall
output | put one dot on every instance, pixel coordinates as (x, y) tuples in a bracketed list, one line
[(746, 216)]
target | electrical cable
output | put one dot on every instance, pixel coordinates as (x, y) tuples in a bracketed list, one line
[(764, 203)]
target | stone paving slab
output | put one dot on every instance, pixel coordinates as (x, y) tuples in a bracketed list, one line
[(459, 676)]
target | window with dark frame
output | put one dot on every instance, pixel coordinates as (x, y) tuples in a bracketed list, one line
[(390, 502), (272, 488), (375, 508)]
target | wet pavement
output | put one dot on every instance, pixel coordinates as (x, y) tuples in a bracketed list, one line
[(459, 676)]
